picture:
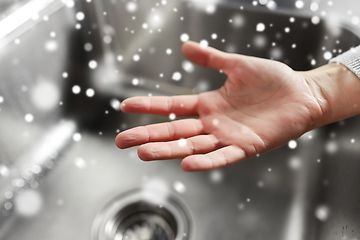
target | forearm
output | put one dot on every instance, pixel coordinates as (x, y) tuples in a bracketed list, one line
[(337, 90)]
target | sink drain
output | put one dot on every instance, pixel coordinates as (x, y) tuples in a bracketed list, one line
[(142, 215)]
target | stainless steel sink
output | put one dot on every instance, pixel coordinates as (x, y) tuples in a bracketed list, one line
[(62, 176)]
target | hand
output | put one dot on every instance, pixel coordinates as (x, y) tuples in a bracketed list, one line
[(262, 106)]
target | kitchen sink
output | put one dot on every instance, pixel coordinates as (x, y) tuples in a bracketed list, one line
[(64, 72)]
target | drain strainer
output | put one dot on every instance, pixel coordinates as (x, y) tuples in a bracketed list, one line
[(142, 215)]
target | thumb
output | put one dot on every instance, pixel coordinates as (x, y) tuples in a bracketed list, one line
[(209, 57)]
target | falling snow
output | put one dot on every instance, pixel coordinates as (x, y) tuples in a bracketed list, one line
[(76, 89), (179, 187), (172, 116), (80, 16), (176, 76), (314, 6), (241, 206), (260, 41), (322, 213), (44, 95), (29, 203), (115, 104), (77, 137), (131, 7), (29, 118), (215, 121), (90, 92), (204, 43), (4, 171), (182, 142), (355, 20), (184, 37), (216, 176), (69, 3), (135, 82), (8, 195), (93, 64), (88, 47), (299, 4), (260, 27), (315, 20), (188, 66), (327, 55), (331, 147), (51, 46), (107, 39), (136, 57), (65, 74), (292, 144), (238, 21), (210, 9), (271, 5), (80, 163), (295, 163)]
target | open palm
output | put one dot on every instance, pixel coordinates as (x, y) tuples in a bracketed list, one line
[(262, 106)]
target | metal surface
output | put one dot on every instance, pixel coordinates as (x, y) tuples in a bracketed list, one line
[(286, 194), (143, 214)]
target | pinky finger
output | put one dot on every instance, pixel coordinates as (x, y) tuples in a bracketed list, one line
[(216, 159)]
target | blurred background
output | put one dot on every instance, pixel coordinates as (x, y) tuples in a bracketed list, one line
[(65, 67)]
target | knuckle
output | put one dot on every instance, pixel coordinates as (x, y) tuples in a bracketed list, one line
[(191, 147), (147, 153), (169, 104), (171, 129)]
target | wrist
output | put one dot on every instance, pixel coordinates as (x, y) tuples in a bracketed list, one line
[(337, 91)]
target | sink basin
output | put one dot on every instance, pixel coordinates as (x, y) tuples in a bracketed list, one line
[(61, 83)]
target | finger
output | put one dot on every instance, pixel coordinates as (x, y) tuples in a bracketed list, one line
[(216, 159), (179, 105), (160, 132), (178, 149), (209, 57)]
